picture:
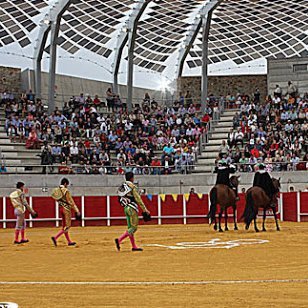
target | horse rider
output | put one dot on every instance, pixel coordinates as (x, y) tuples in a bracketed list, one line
[(223, 171), (263, 180)]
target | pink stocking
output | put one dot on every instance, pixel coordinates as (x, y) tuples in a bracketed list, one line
[(16, 235), (132, 240), (59, 234), (23, 234), (123, 236), (67, 237)]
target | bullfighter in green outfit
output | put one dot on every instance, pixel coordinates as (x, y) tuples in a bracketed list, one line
[(130, 200)]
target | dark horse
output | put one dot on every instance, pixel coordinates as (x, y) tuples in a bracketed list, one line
[(225, 197), (257, 198)]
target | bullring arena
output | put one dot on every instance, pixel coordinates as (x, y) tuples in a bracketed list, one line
[(161, 117), (181, 265)]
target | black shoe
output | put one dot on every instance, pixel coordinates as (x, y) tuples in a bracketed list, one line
[(54, 241), (137, 249), (24, 241), (117, 244), (72, 244), (16, 242)]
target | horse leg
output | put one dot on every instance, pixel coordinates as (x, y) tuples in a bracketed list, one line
[(226, 220), (234, 218), (264, 217), (215, 224), (255, 222), (276, 221), (219, 221)]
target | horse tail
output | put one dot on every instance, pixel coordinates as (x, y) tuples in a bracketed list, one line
[(249, 213), (213, 207)]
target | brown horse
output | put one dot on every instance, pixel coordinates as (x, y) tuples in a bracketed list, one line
[(257, 198), (225, 197)]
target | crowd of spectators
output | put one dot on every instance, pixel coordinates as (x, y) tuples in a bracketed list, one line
[(89, 136), (273, 131)]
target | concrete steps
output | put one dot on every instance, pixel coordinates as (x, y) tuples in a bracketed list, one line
[(205, 155), (219, 132), (217, 135)]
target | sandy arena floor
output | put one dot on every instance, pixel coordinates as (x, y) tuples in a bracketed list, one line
[(271, 272)]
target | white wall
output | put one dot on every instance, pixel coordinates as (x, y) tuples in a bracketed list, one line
[(67, 86)]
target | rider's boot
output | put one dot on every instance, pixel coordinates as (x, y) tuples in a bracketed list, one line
[(273, 202), (236, 194)]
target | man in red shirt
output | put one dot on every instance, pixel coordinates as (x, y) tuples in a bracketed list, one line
[(156, 164), (255, 152), (205, 119)]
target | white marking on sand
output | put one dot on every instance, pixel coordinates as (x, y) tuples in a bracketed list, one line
[(150, 283)]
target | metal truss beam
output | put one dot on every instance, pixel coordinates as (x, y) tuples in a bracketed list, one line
[(193, 32)]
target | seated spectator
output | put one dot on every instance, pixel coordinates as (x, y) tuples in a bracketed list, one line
[(156, 166), (74, 152), (223, 149), (291, 89), (166, 165), (277, 91), (3, 168), (56, 153), (33, 141), (65, 169)]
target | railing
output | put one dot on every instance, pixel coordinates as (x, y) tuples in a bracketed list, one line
[(162, 101), (100, 170), (271, 166), (184, 168)]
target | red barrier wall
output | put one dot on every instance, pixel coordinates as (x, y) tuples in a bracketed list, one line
[(152, 206), (290, 206), (169, 207), (197, 206), (171, 211), (116, 210), (240, 206), (95, 207), (46, 207)]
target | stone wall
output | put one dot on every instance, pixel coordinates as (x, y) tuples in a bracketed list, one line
[(280, 71), (218, 85), (10, 79)]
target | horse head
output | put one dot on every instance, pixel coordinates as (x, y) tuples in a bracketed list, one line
[(276, 183), (235, 180)]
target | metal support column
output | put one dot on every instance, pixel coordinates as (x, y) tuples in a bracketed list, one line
[(206, 23), (203, 19), (54, 32), (130, 71), (51, 23), (128, 34), (38, 54), (123, 38), (132, 34)]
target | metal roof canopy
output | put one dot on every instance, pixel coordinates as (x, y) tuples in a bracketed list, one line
[(240, 32)]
